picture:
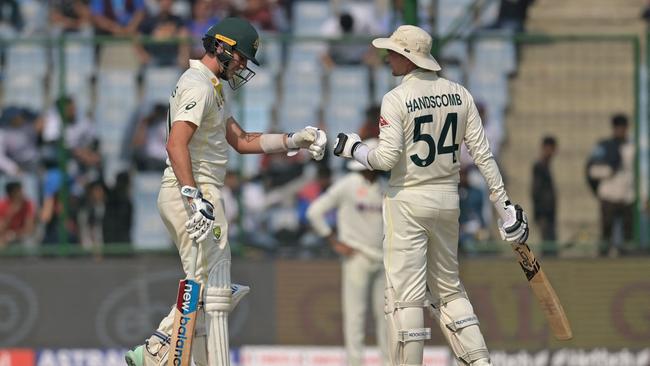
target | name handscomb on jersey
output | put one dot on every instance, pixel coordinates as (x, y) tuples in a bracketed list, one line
[(433, 101)]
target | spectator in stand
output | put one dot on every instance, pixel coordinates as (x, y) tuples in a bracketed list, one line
[(310, 192), (92, 215), (149, 140), (610, 174), (19, 142), (70, 16), (51, 214), (646, 12), (80, 139), (544, 196), (204, 15), (17, 214), (21, 138), (164, 27), (11, 19), (343, 49), (512, 15), (262, 14), (117, 17), (118, 218), (7, 165)]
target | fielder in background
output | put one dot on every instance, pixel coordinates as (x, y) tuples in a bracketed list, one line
[(423, 122), (200, 128), (357, 198)]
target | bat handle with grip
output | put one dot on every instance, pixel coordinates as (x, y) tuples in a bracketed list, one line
[(194, 253), (341, 139)]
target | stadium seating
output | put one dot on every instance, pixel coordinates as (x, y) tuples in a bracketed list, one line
[(149, 232), (349, 86), (309, 16), (570, 90), (159, 83)]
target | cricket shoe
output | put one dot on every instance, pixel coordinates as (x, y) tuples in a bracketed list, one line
[(143, 355), (154, 354)]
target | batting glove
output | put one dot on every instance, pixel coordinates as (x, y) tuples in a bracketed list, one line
[(345, 144), (311, 138), (515, 229), (317, 148), (200, 223)]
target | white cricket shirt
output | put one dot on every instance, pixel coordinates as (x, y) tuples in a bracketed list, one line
[(198, 98), (423, 122)]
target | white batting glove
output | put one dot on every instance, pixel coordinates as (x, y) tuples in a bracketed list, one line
[(311, 138), (300, 140), (345, 144), (200, 223), (317, 148), (515, 229)]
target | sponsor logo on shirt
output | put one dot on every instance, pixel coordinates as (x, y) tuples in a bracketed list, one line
[(383, 122), (190, 106)]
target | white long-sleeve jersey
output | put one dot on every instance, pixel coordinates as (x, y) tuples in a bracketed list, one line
[(423, 122), (358, 217), (198, 98)]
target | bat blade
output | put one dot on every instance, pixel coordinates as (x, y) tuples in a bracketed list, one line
[(544, 292), (185, 313)]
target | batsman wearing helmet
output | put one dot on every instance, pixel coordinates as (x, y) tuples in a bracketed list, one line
[(200, 128), (423, 122)]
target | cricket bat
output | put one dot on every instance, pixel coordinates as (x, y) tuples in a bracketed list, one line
[(185, 314), (541, 286)]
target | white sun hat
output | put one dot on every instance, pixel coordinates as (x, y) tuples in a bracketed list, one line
[(356, 166), (413, 43)]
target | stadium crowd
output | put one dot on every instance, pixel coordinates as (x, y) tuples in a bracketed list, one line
[(58, 167)]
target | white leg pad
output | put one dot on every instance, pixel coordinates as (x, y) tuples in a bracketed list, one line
[(217, 305), (460, 327), (482, 362), (406, 332), (237, 293)]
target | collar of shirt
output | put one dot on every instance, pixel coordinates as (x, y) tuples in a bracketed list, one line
[(197, 64), (420, 74)]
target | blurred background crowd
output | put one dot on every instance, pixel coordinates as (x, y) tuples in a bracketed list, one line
[(84, 101)]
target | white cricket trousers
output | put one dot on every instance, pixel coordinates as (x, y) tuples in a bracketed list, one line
[(362, 289), (213, 252)]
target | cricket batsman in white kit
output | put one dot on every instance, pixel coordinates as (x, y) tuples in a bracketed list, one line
[(357, 197), (423, 122), (200, 129)]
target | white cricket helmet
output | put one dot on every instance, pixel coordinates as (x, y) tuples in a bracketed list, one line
[(413, 43), (356, 166)]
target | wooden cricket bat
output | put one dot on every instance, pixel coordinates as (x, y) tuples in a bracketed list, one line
[(186, 311), (541, 286)]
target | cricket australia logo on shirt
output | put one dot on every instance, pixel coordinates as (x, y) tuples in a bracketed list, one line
[(216, 231)]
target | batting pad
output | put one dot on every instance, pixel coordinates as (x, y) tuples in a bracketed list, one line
[(406, 332), (460, 327), (218, 296)]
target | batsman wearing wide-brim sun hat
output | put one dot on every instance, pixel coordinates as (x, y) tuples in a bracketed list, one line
[(413, 43)]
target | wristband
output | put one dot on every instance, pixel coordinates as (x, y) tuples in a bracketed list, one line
[(273, 142), (190, 192)]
